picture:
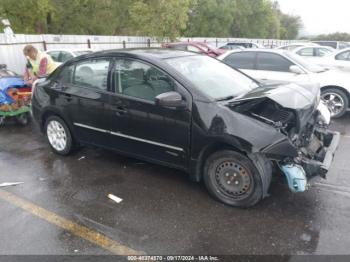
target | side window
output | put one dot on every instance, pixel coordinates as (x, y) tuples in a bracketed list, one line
[(92, 73), (66, 75), (54, 55), (193, 49), (273, 62), (322, 52), (140, 80), (306, 52), (343, 45), (65, 56), (343, 56), (241, 60)]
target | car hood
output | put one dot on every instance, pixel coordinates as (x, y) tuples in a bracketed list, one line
[(290, 96)]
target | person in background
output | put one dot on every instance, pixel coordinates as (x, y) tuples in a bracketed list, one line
[(38, 64)]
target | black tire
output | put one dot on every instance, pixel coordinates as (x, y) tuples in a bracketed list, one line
[(68, 146), (2, 121), (224, 167), (23, 119), (341, 95)]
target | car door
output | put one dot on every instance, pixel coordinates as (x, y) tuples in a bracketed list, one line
[(140, 127), (83, 95), (271, 67), (342, 61)]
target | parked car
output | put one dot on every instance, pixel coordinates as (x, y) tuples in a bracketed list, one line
[(313, 52), (191, 112), (333, 44), (337, 60), (62, 55), (293, 46), (231, 45), (197, 47), (283, 66)]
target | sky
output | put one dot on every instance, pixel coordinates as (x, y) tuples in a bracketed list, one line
[(319, 16)]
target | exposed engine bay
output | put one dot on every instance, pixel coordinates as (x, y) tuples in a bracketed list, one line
[(306, 129)]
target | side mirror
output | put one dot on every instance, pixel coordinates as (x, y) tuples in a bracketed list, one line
[(296, 69), (170, 99)]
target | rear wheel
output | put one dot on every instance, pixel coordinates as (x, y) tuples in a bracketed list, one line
[(336, 100), (2, 120), (233, 179), (58, 135), (23, 119)]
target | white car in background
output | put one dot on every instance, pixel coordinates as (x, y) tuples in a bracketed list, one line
[(62, 55), (337, 60), (313, 52), (293, 46), (269, 66)]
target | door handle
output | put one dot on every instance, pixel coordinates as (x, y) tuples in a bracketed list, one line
[(120, 111), (68, 97)]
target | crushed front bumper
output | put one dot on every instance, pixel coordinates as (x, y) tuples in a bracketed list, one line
[(320, 168), (298, 174)]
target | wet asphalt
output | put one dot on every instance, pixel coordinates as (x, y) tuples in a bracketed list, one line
[(162, 212)]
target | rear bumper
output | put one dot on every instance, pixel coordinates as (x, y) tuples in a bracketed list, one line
[(320, 168)]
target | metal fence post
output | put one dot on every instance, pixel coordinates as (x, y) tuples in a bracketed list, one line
[(124, 44), (148, 43), (89, 43), (44, 45)]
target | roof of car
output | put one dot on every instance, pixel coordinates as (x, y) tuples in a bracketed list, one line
[(69, 50), (160, 53)]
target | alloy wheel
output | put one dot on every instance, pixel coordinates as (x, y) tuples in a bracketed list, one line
[(334, 102), (57, 135)]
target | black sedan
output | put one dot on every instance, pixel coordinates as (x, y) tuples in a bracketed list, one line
[(190, 112)]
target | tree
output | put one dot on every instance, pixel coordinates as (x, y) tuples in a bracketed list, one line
[(159, 18), (211, 18), (338, 36), (26, 16), (290, 26)]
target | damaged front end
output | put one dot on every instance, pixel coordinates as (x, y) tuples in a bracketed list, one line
[(308, 147)]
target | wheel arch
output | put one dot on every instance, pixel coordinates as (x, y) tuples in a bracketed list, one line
[(54, 112), (347, 93), (197, 170)]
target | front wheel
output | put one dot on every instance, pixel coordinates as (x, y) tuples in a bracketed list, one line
[(233, 179), (58, 135), (336, 101), (23, 119)]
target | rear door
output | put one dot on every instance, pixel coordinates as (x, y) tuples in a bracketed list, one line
[(274, 68), (83, 95), (140, 127)]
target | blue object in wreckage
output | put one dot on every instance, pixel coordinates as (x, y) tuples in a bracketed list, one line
[(296, 177)]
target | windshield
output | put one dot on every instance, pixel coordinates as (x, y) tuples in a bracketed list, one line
[(304, 63), (214, 78), (78, 53)]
